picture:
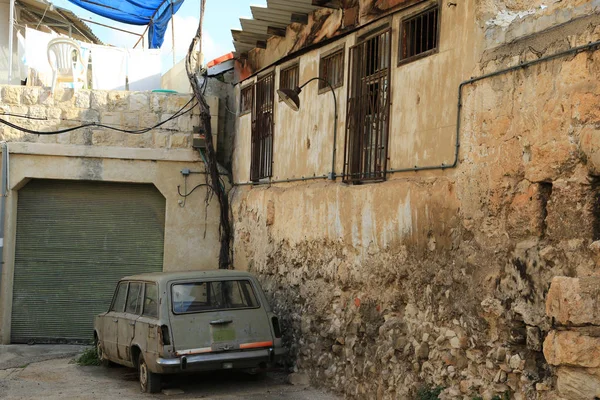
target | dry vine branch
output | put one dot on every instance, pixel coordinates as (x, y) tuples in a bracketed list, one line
[(192, 69)]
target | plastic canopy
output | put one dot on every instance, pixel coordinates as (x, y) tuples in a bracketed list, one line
[(154, 13)]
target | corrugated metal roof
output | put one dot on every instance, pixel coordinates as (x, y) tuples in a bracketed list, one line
[(277, 15), (58, 19)]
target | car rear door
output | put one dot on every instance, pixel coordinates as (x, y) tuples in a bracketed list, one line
[(110, 321), (217, 315), (127, 320)]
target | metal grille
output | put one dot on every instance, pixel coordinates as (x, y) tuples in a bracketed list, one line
[(367, 122), (74, 241), (419, 35), (246, 99), (331, 69), (289, 77), (262, 129)]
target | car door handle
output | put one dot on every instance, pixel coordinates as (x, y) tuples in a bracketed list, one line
[(115, 320), (132, 323), (221, 321)]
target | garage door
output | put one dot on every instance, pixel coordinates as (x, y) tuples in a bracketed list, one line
[(75, 240)]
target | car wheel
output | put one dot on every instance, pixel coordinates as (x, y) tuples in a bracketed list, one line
[(149, 381), (105, 362)]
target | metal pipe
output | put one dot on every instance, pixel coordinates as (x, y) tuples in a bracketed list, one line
[(259, 183), (111, 27), (590, 46), (3, 194), (574, 50), (11, 29)]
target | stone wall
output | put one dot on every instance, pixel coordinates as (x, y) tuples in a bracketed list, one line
[(439, 278), (126, 110), (573, 345)]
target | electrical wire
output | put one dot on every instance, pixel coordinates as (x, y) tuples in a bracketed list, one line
[(178, 114), (24, 116), (191, 191)]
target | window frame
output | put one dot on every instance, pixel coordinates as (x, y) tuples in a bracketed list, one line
[(143, 312), (341, 49), (285, 68), (114, 299), (409, 17), (250, 87), (263, 118), (208, 281), (138, 309)]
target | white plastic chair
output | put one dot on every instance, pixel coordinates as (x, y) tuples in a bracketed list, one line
[(64, 56)]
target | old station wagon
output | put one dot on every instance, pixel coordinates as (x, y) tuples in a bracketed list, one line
[(166, 323)]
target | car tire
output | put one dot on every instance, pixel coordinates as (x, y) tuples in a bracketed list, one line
[(149, 381), (105, 362)]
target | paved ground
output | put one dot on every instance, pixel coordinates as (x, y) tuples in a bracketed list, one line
[(61, 378)]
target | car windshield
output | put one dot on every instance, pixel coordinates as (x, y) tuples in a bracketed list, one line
[(209, 296)]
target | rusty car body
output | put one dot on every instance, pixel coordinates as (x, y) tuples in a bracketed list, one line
[(164, 323)]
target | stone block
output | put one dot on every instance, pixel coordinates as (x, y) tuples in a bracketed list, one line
[(38, 111), (578, 383), (585, 107), (172, 124), (89, 115), (571, 348), (112, 118), (569, 215), (30, 95), (64, 138), (527, 211), (64, 97), (298, 379), (574, 300), (175, 102), (82, 99), (99, 100), (158, 102), (180, 140), (46, 98), (139, 140), (117, 101), (54, 113), (131, 120), (82, 137), (139, 102), (104, 137), (11, 95), (148, 120), (589, 142), (161, 139)]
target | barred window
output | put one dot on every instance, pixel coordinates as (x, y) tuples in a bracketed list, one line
[(419, 35), (331, 68), (289, 77), (246, 99)]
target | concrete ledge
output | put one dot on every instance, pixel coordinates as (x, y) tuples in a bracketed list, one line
[(123, 153)]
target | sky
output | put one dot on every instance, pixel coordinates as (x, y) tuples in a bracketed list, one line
[(219, 18)]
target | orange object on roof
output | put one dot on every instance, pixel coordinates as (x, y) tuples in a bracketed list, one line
[(219, 60)]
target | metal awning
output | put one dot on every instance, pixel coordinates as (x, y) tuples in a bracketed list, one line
[(270, 21), (60, 20)]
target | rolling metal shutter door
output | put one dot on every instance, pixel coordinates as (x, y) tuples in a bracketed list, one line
[(75, 240)]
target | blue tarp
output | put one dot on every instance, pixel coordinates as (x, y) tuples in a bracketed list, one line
[(155, 13)]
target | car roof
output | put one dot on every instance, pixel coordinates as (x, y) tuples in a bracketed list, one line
[(170, 276)]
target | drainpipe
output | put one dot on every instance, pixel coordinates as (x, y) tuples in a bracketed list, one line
[(11, 27), (3, 194)]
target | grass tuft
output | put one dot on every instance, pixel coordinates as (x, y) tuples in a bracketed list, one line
[(88, 357), (429, 393)]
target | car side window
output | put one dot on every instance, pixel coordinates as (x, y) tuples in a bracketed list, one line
[(151, 301), (121, 294), (134, 298)]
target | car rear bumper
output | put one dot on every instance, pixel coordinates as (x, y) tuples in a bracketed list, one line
[(259, 358)]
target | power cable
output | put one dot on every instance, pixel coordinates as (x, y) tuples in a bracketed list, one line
[(178, 114)]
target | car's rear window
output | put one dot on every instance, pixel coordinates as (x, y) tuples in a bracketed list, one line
[(209, 296)]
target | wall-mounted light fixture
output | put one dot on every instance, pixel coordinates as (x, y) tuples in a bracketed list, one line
[(291, 97)]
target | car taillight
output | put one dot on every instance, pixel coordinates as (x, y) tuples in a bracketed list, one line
[(276, 328), (166, 339)]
